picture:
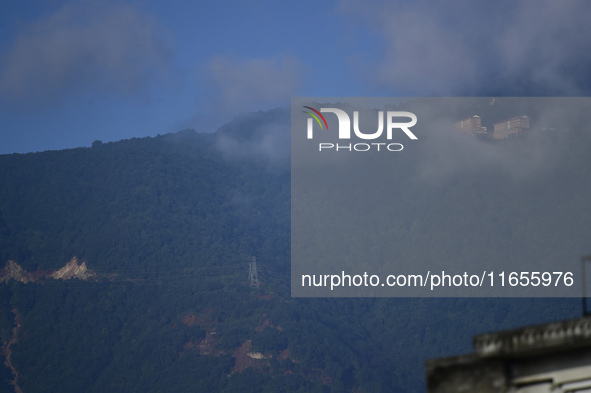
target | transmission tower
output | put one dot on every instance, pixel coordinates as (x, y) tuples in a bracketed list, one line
[(252, 273)]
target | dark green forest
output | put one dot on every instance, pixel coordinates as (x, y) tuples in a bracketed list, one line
[(169, 224)]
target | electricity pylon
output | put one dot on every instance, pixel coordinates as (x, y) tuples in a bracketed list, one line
[(252, 273)]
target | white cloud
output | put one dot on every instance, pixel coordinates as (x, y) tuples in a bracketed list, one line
[(462, 47), (103, 46), (257, 136)]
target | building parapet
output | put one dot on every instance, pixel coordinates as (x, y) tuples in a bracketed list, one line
[(553, 357), (535, 339)]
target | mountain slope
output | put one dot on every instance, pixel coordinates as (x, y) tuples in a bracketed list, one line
[(169, 225)]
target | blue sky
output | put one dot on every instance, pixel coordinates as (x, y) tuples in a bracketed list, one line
[(72, 72)]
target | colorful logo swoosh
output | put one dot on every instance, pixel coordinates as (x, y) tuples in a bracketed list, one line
[(316, 117)]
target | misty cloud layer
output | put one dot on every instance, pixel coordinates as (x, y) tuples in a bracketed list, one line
[(84, 46), (462, 47), (446, 153), (257, 137)]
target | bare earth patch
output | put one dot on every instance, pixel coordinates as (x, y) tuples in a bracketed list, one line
[(7, 350), (13, 271), (245, 358), (189, 319)]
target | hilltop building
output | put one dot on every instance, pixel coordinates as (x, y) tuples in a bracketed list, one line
[(471, 125), (549, 358), (514, 125)]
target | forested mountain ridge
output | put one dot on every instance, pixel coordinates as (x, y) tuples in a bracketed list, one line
[(176, 219)]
